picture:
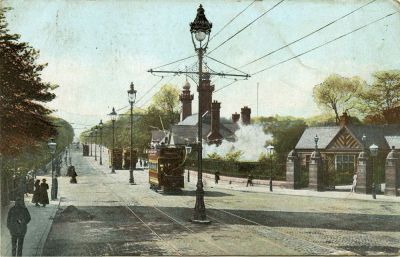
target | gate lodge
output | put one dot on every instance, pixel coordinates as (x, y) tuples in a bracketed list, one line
[(340, 152)]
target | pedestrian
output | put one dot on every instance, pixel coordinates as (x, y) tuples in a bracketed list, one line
[(354, 185), (17, 220), (270, 184), (44, 197), (36, 193), (249, 180), (140, 162), (373, 191), (216, 177), (73, 175)]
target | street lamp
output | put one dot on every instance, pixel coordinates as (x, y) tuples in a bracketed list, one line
[(52, 148), (374, 152), (95, 142), (113, 116), (131, 99), (91, 142), (101, 141), (200, 30), (270, 153), (316, 142)]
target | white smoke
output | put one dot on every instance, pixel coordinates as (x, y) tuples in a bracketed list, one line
[(250, 140)]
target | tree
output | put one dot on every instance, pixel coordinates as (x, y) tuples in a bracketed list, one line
[(24, 120), (339, 94), (382, 98)]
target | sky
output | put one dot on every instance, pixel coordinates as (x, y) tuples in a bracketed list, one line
[(95, 49)]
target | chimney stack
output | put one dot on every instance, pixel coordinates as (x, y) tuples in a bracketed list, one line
[(206, 93), (245, 112), (186, 98), (235, 117), (344, 120), (214, 134)]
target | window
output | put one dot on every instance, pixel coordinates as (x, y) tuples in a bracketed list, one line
[(345, 163)]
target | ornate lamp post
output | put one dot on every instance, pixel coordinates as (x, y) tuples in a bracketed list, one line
[(270, 153), (374, 152), (52, 148), (91, 142), (95, 142), (200, 30), (101, 141), (131, 99), (113, 116)]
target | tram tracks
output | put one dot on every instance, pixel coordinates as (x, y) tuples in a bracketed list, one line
[(163, 239)]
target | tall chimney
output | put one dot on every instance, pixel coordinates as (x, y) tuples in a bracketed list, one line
[(344, 120), (214, 134), (235, 117), (245, 111), (186, 98), (206, 93)]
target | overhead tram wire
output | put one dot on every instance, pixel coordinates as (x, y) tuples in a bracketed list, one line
[(233, 68), (173, 62), (326, 43), (309, 34), (158, 82), (245, 27), (229, 22), (314, 48)]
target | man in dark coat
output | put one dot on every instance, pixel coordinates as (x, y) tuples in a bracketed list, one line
[(43, 196), (73, 175), (17, 220), (216, 177), (36, 193)]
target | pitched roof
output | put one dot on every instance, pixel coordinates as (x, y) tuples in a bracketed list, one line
[(325, 136), (393, 141), (158, 135), (375, 134)]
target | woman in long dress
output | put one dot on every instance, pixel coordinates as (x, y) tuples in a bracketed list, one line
[(44, 197), (36, 193)]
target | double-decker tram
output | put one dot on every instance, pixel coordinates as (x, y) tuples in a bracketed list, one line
[(166, 168)]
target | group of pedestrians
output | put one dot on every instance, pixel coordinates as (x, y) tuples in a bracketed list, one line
[(40, 195)]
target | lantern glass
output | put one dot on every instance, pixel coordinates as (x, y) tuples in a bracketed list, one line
[(113, 114), (270, 150), (132, 94), (374, 150), (200, 35), (52, 146)]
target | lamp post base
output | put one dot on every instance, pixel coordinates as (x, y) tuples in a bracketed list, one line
[(131, 179), (113, 171), (199, 215)]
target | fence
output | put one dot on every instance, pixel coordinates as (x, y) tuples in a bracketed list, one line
[(241, 169)]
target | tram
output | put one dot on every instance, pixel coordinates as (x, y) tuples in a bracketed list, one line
[(166, 168)]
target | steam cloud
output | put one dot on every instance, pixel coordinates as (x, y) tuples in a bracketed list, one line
[(250, 139)]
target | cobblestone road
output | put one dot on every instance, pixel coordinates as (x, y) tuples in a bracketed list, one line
[(112, 217)]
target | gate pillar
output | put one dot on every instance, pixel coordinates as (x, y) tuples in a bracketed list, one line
[(292, 170), (392, 173), (315, 171), (363, 174)]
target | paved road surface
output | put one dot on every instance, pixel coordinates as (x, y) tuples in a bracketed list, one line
[(104, 215)]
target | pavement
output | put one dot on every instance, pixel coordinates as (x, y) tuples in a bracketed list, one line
[(262, 186), (38, 227)]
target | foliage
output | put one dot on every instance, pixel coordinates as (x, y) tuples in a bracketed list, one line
[(233, 155), (339, 94), (214, 156), (382, 98), (25, 122)]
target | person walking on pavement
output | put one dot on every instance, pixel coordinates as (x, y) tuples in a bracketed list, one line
[(216, 177), (43, 196), (36, 193), (249, 180), (17, 220), (354, 185)]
